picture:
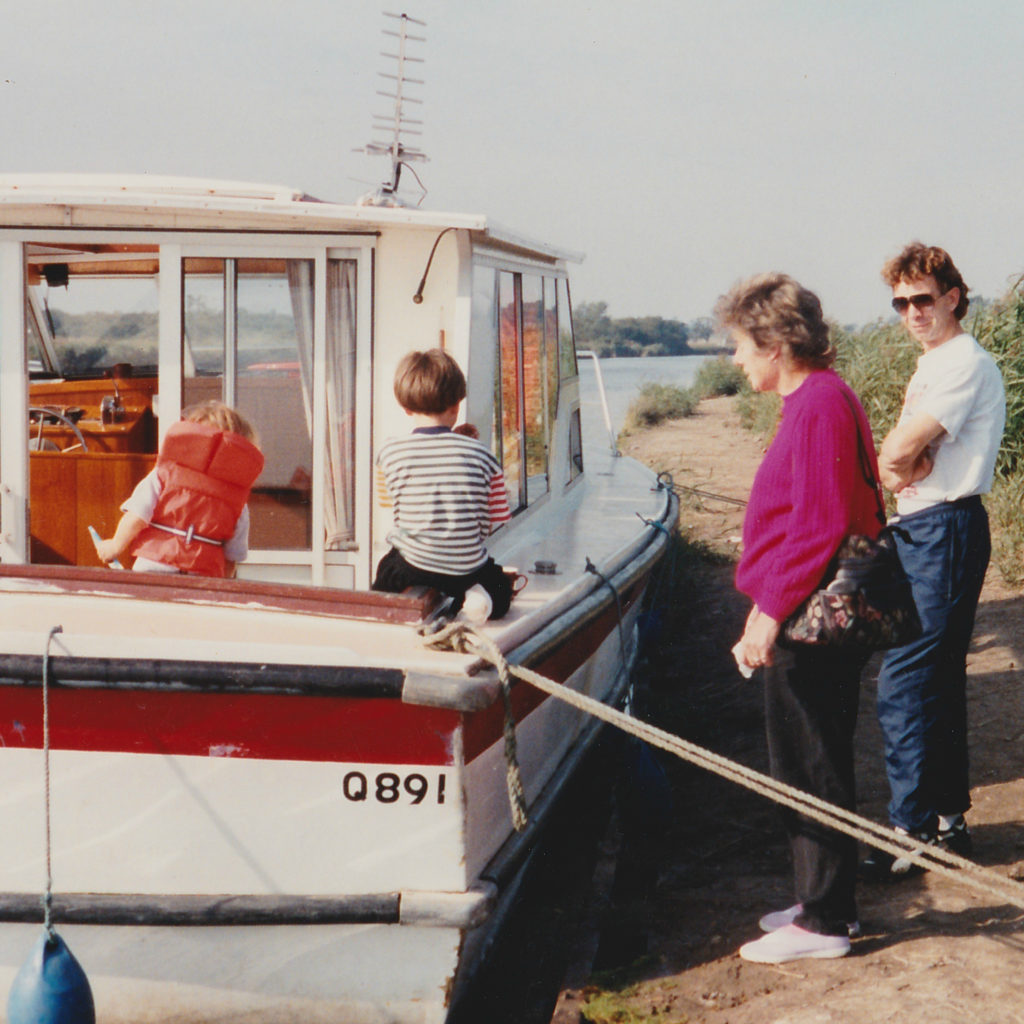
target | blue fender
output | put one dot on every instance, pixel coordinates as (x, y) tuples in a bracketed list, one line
[(51, 987)]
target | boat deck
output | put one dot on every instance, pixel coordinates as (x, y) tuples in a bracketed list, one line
[(106, 614)]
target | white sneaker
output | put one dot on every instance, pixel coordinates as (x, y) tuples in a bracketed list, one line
[(478, 605), (780, 918), (791, 942)]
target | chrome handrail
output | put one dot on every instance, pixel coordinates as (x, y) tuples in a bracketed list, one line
[(613, 440)]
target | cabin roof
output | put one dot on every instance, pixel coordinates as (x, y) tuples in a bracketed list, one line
[(134, 200)]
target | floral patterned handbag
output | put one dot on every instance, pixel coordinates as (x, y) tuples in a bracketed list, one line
[(865, 599)]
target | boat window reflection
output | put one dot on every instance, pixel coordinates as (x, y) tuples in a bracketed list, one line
[(534, 351), (575, 445), (534, 388), (483, 407), (510, 388), (91, 340), (550, 356), (567, 366), (262, 311), (97, 322), (249, 342)]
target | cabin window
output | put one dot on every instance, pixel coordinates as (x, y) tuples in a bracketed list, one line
[(241, 330), (91, 338), (82, 325), (535, 386), (575, 445), (508, 388), (551, 351), (340, 382), (38, 358), (527, 373), (248, 326), (567, 368), (483, 409)]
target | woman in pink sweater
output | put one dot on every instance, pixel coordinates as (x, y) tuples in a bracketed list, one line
[(809, 493)]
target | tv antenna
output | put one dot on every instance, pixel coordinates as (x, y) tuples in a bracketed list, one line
[(396, 123)]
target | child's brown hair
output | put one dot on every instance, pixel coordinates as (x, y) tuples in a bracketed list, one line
[(429, 382), (221, 416)]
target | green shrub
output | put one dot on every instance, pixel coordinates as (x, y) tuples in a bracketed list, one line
[(719, 377), (1000, 328), (1004, 507), (759, 412), (658, 402)]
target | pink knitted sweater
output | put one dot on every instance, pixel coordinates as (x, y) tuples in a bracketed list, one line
[(808, 494)]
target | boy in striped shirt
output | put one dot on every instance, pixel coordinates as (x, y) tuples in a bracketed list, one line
[(447, 491)]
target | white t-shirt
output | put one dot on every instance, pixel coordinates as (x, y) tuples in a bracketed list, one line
[(959, 385), (142, 503)]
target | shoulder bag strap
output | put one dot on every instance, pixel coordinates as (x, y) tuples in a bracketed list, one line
[(865, 462)]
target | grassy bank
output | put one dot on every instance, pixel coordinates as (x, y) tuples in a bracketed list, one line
[(657, 402)]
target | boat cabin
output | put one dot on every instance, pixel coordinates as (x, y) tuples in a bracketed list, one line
[(123, 301)]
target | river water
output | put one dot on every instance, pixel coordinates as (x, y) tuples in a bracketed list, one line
[(623, 379)]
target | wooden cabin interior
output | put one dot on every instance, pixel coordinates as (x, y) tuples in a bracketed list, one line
[(92, 335)]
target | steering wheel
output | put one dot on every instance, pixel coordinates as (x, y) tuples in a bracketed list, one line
[(44, 413)]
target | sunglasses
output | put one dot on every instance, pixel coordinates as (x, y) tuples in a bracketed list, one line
[(922, 301)]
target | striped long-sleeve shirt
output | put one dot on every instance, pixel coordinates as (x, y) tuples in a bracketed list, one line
[(448, 494)]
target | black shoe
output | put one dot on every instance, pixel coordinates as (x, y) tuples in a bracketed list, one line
[(956, 839), (880, 866)]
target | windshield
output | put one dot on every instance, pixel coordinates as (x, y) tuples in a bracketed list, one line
[(92, 323)]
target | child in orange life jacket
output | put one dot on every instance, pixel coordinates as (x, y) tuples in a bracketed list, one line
[(189, 515)]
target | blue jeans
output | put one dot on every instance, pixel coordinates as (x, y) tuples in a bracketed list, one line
[(922, 687)]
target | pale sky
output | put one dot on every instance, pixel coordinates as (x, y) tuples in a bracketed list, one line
[(679, 145)]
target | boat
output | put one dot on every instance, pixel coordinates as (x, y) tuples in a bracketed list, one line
[(269, 797)]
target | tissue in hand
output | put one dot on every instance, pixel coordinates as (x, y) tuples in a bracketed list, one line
[(745, 670)]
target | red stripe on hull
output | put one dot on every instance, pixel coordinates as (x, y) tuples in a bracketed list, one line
[(484, 728), (283, 727), (276, 727)]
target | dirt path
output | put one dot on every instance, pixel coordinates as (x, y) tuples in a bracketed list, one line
[(933, 951)]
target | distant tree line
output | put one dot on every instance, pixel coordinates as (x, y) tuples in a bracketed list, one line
[(90, 342), (638, 336)]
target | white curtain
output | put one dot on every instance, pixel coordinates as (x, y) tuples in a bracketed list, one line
[(339, 382), (300, 286), (341, 403)]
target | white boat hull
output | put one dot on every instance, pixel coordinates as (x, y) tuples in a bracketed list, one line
[(359, 974), (376, 883)]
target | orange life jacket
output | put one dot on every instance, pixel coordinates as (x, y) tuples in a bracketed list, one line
[(205, 476)]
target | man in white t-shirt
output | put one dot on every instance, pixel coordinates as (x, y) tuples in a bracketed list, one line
[(938, 460)]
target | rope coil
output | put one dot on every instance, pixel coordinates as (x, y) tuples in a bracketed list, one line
[(454, 636), (459, 636)]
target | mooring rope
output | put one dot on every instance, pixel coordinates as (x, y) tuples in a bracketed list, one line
[(48, 894), (677, 488), (513, 776), (460, 636)]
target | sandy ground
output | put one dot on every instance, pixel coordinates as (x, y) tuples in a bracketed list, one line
[(933, 950)]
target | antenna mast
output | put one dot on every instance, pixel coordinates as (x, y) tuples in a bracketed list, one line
[(396, 122)]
